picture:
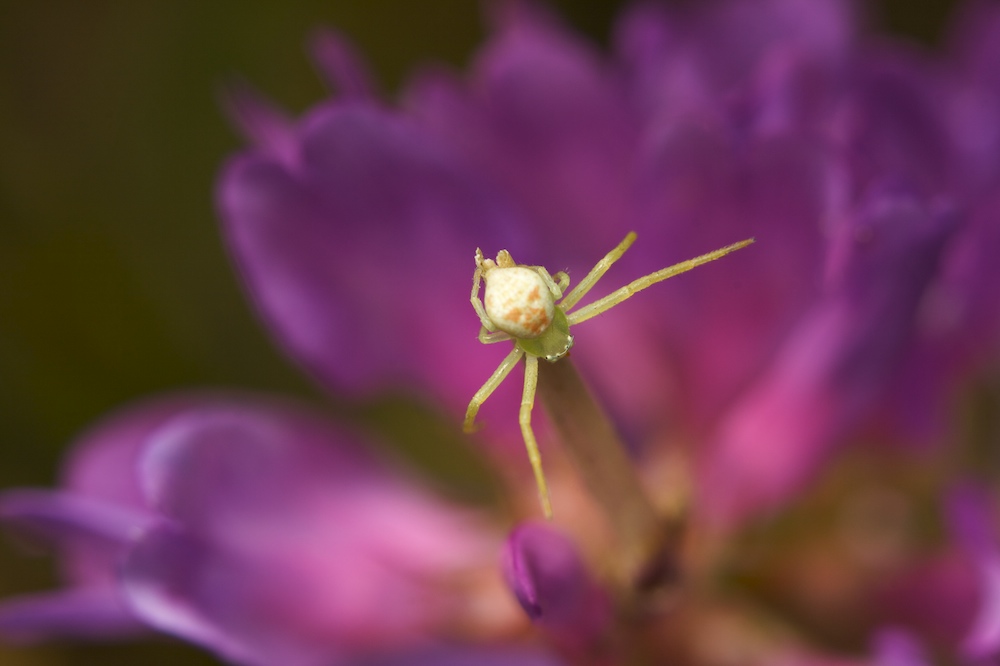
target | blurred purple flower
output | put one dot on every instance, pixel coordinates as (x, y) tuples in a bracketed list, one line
[(897, 648), (868, 172), (249, 526), (973, 519), (552, 584)]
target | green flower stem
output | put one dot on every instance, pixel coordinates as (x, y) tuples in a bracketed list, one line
[(646, 542)]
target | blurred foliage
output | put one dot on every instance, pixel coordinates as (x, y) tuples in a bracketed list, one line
[(113, 281)]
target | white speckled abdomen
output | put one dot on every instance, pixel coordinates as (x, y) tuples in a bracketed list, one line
[(518, 302)]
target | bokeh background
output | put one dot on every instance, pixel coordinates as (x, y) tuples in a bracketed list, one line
[(113, 280)]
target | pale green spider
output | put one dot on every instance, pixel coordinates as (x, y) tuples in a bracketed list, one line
[(520, 305)]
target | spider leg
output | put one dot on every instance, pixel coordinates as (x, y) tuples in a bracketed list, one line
[(562, 279), (555, 289), (596, 272), (477, 304), (527, 403), (488, 338), (491, 384), (616, 297)]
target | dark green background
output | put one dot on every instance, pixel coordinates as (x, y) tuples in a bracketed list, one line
[(113, 281)]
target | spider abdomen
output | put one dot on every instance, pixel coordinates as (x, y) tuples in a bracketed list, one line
[(518, 301)]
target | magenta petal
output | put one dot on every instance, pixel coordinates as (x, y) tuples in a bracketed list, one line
[(182, 586), (835, 365), (973, 522), (975, 107), (959, 332), (102, 462), (343, 68), (260, 530), (102, 481), (212, 464), (701, 192), (287, 541), (687, 64), (971, 519), (457, 656), (893, 125), (197, 592), (983, 638), (544, 116), (66, 518), (266, 126), (895, 647), (975, 37), (82, 613), (361, 260), (246, 472), (89, 534), (552, 584), (736, 35)]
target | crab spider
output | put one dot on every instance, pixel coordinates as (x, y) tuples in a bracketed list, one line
[(522, 303)]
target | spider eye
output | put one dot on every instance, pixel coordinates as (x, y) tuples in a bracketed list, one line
[(518, 302)]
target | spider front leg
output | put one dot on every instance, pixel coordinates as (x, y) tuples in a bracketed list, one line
[(597, 272), (477, 303), (487, 390), (562, 279), (488, 338), (524, 418), (556, 289), (604, 304)]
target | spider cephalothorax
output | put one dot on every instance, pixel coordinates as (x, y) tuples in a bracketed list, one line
[(520, 301), (526, 304)]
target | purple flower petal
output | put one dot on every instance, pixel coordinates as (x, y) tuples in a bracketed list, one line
[(102, 461), (975, 106), (801, 658), (686, 65), (972, 519), (91, 535), (974, 35), (893, 126), (63, 517), (735, 36), (260, 531), (983, 639), (206, 595), (81, 613), (836, 364), (458, 656), (545, 118), (361, 259), (286, 542), (184, 587), (220, 469), (895, 647), (242, 459), (724, 162), (344, 69), (102, 507), (959, 330), (702, 191), (266, 126), (552, 584), (91, 524)]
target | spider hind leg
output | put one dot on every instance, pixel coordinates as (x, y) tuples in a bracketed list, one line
[(527, 404)]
